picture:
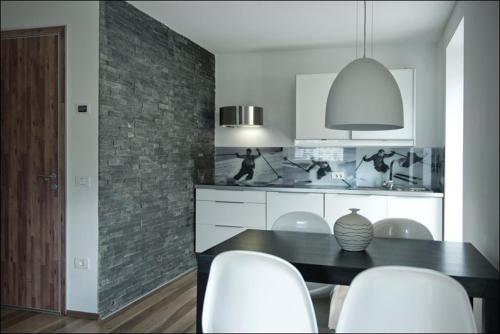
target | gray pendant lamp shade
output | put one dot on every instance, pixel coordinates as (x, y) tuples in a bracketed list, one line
[(241, 116), (364, 97)]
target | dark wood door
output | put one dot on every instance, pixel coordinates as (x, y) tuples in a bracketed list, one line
[(32, 169)]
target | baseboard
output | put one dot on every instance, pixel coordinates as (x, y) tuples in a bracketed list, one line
[(148, 293), (82, 315)]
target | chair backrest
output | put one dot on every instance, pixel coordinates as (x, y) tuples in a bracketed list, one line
[(401, 228), (302, 221), (405, 299), (256, 292)]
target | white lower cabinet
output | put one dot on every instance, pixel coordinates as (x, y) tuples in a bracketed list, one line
[(372, 207), (425, 210), (221, 214), (279, 203), (208, 236)]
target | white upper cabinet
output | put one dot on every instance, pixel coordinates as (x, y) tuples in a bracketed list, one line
[(405, 80), (311, 96)]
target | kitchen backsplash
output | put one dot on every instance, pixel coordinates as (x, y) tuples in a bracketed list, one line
[(335, 166)]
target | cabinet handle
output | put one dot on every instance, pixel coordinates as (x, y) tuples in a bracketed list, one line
[(230, 202), (234, 226)]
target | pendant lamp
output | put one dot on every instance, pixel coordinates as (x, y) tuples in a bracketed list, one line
[(364, 96)]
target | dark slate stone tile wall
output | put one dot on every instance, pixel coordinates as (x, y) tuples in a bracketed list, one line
[(156, 139)]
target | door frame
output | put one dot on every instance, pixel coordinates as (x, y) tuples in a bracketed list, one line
[(60, 32)]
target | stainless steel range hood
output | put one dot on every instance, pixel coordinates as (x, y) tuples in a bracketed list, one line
[(241, 116)]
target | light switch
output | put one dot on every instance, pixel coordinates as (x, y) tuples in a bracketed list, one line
[(82, 181)]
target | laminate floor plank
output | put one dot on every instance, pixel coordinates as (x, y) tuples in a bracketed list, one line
[(158, 314), (55, 326), (5, 312), (38, 321), (15, 318), (142, 306), (177, 315), (182, 324), (73, 326), (192, 327), (171, 308)]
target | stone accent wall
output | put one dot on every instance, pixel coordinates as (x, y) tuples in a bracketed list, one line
[(156, 139)]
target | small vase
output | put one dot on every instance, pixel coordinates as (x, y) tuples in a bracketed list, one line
[(353, 231)]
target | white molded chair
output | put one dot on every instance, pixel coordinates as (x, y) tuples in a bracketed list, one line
[(401, 228), (403, 300), (252, 292), (303, 221)]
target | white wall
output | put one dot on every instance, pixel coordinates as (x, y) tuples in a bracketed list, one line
[(481, 108), (267, 79), (454, 139), (82, 58)]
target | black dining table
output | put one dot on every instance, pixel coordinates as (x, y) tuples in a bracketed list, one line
[(319, 258)]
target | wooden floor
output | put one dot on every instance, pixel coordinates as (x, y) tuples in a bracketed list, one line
[(171, 309)]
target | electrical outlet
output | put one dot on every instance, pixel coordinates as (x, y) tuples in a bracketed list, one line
[(82, 263), (337, 175)]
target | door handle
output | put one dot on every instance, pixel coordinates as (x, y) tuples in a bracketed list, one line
[(52, 176)]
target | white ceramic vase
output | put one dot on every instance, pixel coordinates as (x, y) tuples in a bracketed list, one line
[(353, 232)]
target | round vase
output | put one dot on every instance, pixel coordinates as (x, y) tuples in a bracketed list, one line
[(353, 232)]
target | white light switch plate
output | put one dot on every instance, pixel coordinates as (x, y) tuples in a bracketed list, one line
[(82, 181)]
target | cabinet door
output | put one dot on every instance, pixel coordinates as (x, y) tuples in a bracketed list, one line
[(426, 211), (311, 95), (373, 207), (210, 235), (405, 80), (280, 203), (249, 215)]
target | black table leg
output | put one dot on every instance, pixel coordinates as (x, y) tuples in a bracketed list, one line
[(201, 286), (490, 315)]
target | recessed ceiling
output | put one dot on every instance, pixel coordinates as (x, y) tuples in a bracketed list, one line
[(244, 26)]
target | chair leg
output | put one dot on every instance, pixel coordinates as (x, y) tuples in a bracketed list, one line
[(339, 294)]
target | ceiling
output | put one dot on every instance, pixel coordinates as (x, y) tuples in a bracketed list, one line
[(244, 26)]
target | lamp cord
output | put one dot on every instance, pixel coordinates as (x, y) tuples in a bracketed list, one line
[(372, 29), (356, 29), (364, 31)]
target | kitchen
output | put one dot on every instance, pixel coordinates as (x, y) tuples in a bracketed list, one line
[(202, 126)]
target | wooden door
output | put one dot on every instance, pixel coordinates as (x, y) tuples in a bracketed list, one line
[(32, 169)]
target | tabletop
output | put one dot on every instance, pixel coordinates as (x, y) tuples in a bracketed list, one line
[(321, 252)]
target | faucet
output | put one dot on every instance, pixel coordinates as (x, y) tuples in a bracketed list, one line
[(389, 184)]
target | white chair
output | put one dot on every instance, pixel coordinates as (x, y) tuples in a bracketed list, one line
[(403, 300), (252, 292), (302, 221), (401, 228)]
